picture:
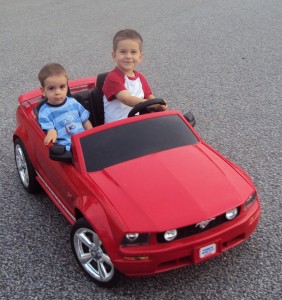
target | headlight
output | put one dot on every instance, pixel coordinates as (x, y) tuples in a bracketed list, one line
[(135, 239), (251, 200), (170, 235), (231, 214), (132, 237)]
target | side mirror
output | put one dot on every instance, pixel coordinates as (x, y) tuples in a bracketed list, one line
[(190, 118), (59, 153)]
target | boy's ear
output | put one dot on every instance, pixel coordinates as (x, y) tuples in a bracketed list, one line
[(42, 91), (113, 55)]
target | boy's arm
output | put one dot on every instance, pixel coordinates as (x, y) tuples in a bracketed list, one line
[(50, 137), (151, 97), (87, 125), (126, 98), (45, 124)]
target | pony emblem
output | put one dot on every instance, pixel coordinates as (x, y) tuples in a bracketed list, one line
[(204, 224)]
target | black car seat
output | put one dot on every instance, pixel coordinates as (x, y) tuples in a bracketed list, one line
[(96, 101)]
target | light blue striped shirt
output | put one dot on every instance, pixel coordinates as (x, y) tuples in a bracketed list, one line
[(66, 118)]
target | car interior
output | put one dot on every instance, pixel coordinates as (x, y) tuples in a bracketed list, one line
[(92, 100)]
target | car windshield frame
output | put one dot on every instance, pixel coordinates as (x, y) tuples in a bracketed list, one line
[(129, 141)]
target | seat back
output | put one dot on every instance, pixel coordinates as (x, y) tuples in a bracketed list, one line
[(92, 100), (97, 102)]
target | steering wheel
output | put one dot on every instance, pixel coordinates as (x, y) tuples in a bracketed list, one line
[(143, 107)]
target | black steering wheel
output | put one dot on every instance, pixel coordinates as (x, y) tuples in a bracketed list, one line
[(143, 107)]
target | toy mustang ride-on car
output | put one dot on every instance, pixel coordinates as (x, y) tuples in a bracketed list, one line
[(144, 194)]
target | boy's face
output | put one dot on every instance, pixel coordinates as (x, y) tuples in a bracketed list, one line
[(127, 56), (55, 89)]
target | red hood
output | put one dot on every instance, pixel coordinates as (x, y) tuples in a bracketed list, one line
[(173, 188)]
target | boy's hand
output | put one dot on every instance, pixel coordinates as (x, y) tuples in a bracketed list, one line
[(50, 137), (160, 107)]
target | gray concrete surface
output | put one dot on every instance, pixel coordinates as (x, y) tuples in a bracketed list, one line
[(222, 59)]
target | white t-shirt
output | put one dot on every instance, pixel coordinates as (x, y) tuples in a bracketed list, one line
[(115, 82)]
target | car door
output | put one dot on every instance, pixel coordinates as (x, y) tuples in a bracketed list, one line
[(61, 179)]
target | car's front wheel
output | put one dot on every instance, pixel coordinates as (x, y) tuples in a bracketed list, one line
[(91, 255), (25, 169)]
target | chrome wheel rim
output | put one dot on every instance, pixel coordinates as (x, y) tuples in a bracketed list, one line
[(22, 166), (91, 255)]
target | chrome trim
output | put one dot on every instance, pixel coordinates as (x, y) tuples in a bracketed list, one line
[(56, 197)]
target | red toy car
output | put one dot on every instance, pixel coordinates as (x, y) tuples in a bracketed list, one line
[(144, 194)]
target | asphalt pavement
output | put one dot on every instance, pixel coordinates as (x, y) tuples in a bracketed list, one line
[(221, 59)]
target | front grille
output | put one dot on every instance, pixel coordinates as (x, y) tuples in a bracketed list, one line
[(190, 230)]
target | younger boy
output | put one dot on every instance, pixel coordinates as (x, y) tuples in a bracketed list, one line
[(124, 87), (61, 116)]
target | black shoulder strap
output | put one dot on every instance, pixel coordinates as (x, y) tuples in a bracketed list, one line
[(100, 81), (69, 92), (96, 100), (38, 106)]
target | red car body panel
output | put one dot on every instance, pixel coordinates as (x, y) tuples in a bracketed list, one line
[(176, 178), (150, 194)]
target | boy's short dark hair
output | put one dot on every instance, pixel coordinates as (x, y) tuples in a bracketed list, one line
[(126, 34), (51, 69)]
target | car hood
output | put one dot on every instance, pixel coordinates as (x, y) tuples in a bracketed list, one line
[(172, 188)]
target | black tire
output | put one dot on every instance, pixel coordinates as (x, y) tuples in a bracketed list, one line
[(25, 169), (91, 255)]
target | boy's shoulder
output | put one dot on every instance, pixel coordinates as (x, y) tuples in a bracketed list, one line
[(114, 76), (47, 106), (117, 74), (71, 100)]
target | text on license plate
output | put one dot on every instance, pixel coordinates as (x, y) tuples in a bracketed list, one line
[(207, 250)]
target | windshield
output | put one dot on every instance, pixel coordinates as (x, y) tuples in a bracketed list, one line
[(133, 140)]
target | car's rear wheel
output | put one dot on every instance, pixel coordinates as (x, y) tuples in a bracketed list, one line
[(25, 169), (91, 255)]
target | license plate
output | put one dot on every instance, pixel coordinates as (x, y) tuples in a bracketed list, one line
[(207, 251)]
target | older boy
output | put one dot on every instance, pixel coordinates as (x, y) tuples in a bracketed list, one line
[(61, 116), (124, 87)]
